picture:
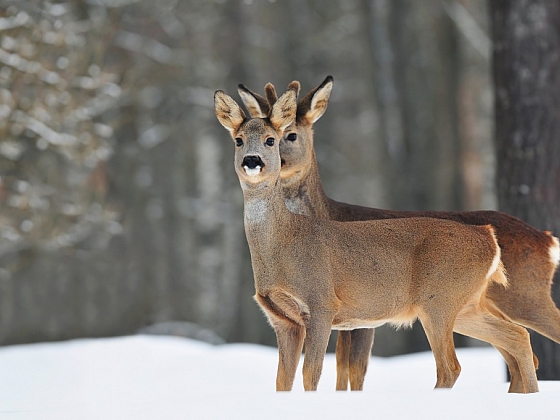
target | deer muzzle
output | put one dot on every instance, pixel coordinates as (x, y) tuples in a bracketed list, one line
[(252, 164)]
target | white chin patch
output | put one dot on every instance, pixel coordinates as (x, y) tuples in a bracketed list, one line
[(252, 171)]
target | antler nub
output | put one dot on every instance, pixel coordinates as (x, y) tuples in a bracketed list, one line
[(295, 86), (270, 93)]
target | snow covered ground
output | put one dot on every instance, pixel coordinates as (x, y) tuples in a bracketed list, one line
[(153, 377)]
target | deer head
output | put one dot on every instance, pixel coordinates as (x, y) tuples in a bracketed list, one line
[(257, 159), (296, 146)]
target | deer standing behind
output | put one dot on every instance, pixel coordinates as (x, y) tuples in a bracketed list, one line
[(530, 256), (313, 275)]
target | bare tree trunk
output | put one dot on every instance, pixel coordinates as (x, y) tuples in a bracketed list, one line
[(527, 77), (417, 58), (420, 50)]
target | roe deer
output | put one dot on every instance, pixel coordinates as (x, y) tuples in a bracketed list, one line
[(313, 275), (530, 256)]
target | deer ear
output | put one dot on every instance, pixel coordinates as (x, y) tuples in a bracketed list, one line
[(229, 114), (284, 111), (256, 105), (313, 105)]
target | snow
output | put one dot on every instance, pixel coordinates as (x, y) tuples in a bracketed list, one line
[(157, 377)]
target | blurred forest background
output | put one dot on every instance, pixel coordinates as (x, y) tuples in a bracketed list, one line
[(119, 204)]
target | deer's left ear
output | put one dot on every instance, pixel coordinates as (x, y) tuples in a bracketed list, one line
[(229, 114), (313, 105), (284, 111)]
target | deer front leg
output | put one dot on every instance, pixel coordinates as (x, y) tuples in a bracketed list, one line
[(343, 343), (360, 352), (290, 338), (316, 341), (353, 351)]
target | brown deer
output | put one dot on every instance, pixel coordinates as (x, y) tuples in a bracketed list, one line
[(313, 275), (529, 255)]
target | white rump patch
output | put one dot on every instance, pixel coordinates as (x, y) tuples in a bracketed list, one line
[(495, 264), (554, 251), (252, 171)]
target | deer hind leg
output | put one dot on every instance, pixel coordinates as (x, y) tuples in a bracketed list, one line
[(343, 343), (516, 382), (360, 353), (512, 339), (538, 312), (527, 301), (317, 335), (439, 331)]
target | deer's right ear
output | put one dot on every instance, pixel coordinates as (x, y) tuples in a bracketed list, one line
[(229, 114), (255, 103), (284, 111), (313, 105)]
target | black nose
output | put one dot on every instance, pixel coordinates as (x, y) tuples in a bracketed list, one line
[(252, 162)]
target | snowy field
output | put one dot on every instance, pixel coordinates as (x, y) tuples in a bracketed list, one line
[(154, 377)]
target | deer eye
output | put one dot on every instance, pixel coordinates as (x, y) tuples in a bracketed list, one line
[(291, 137), (239, 142), (269, 141)]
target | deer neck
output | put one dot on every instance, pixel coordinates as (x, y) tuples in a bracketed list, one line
[(306, 195), (264, 211)]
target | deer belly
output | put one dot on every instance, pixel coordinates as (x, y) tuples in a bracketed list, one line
[(352, 324), (350, 319)]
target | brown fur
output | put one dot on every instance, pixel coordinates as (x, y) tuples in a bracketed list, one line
[(313, 275), (526, 252), (256, 105)]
